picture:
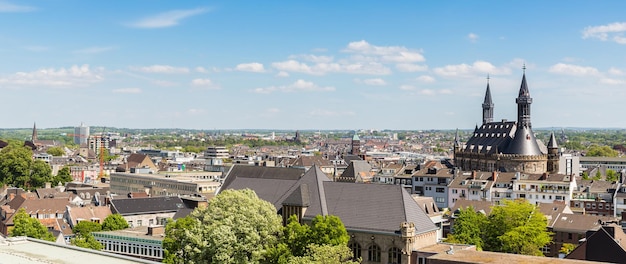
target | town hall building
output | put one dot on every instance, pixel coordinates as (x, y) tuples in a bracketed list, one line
[(507, 146)]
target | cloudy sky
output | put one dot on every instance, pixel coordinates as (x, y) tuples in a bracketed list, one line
[(309, 64)]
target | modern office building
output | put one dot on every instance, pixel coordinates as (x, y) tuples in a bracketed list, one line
[(81, 134)]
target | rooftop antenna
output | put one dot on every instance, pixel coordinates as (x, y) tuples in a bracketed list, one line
[(524, 68)]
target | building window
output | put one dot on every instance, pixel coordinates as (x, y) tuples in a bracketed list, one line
[(455, 191), (439, 199), (439, 190), (395, 256), (373, 253), (356, 250)]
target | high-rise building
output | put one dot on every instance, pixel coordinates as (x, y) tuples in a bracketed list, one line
[(81, 134)]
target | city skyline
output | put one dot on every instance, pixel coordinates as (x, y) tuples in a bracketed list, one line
[(309, 65)]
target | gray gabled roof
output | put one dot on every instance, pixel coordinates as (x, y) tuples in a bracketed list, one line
[(135, 206), (356, 167), (373, 207), (524, 143), (269, 183)]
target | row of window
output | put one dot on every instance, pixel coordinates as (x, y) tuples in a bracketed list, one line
[(132, 249), (394, 255)]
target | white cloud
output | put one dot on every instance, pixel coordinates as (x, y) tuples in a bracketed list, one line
[(313, 58), (427, 92), (611, 81), (160, 69), (204, 83), (6, 7), (445, 91), (409, 67), (397, 54), (282, 74), (127, 91), (196, 111), (615, 71), (372, 82), (201, 69), (70, 77), (472, 37), (167, 19), (272, 110), (94, 50), (250, 67), (426, 79), (298, 86), (613, 32), (371, 68), (571, 69), (466, 70), (407, 87)]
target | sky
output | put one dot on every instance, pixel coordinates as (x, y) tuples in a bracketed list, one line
[(401, 65)]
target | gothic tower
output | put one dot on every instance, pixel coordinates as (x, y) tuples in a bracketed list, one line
[(356, 145), (553, 155), (487, 106), (523, 105), (34, 136)]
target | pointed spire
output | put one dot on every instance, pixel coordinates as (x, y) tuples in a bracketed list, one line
[(552, 142), (523, 103), (457, 143), (487, 105), (476, 128), (523, 89), (34, 136)]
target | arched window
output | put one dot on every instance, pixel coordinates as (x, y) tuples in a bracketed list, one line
[(395, 256), (356, 250), (373, 253)]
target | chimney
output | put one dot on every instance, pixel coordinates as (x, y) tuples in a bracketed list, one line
[(544, 176), (473, 175), (494, 176), (156, 230), (48, 185), (11, 196)]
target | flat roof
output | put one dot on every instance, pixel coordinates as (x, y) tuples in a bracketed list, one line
[(174, 177), (27, 250), (137, 232)]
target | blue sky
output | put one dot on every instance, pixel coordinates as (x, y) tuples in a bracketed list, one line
[(309, 64)]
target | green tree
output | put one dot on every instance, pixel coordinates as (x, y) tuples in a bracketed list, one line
[(298, 239), (114, 222), (601, 151), (468, 228), (236, 227), (326, 254), (86, 241), (63, 176), (516, 227), (56, 151), (83, 237), (598, 176), (585, 175), (175, 236), (24, 225), (611, 175), (17, 168), (567, 248), (86, 227), (328, 230)]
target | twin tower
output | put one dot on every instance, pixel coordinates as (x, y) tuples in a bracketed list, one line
[(507, 145)]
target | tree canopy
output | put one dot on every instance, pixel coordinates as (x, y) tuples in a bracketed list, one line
[(83, 237), (56, 151), (601, 151), (24, 225), (516, 227), (324, 241), (236, 227), (114, 222), (18, 169)]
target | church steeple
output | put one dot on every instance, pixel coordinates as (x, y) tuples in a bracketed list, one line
[(523, 104), (34, 136), (488, 106)]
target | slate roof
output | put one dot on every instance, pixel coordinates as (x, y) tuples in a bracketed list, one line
[(308, 161), (135, 206), (523, 143), (491, 137), (360, 206), (355, 168), (269, 183), (578, 223)]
